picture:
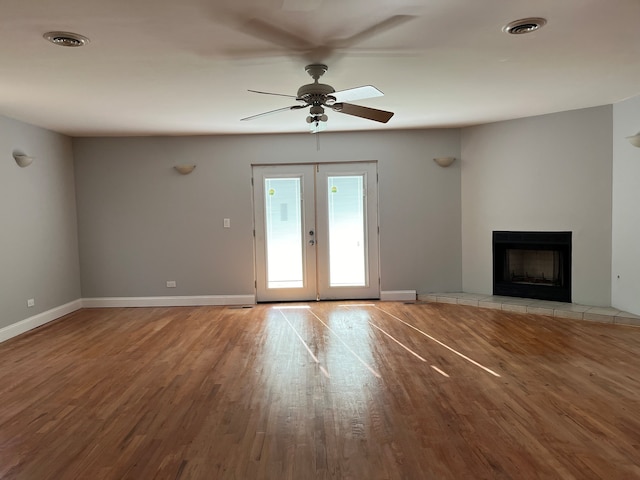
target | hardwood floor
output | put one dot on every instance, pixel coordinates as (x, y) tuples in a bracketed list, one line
[(337, 390)]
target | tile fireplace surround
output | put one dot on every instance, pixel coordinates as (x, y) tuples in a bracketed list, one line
[(539, 307)]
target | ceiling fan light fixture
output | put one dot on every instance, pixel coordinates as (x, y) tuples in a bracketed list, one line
[(524, 25), (317, 118)]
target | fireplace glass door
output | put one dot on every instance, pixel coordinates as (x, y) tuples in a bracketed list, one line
[(532, 265)]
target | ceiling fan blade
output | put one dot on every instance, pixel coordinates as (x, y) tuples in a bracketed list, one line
[(301, 5), (374, 114), (277, 36), (293, 107), (338, 48), (379, 27), (357, 93), (269, 93)]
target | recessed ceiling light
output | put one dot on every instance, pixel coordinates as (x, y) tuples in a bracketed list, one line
[(524, 25), (66, 39)]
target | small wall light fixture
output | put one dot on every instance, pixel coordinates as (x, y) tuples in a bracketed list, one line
[(21, 159), (444, 161), (184, 169), (634, 140)]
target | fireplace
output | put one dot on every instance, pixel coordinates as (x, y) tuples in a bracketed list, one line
[(532, 265)]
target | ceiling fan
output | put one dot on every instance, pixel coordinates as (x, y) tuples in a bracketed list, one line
[(317, 96)]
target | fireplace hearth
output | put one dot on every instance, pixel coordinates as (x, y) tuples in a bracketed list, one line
[(532, 265)]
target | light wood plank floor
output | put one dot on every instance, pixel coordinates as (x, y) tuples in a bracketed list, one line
[(337, 390)]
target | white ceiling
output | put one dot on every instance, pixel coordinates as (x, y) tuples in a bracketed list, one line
[(167, 67)]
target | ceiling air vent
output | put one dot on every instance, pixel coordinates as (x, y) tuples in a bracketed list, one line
[(525, 25), (66, 39)]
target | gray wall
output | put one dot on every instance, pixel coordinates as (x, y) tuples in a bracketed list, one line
[(626, 208), (551, 172), (38, 240), (141, 224)]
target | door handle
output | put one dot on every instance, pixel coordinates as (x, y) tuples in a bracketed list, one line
[(312, 242)]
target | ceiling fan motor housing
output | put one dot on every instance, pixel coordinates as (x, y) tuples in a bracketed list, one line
[(315, 92)]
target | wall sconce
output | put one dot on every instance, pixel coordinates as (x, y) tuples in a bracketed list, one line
[(21, 159), (184, 169), (444, 161), (634, 140)]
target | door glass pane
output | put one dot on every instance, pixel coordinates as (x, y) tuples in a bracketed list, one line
[(283, 232), (346, 231)]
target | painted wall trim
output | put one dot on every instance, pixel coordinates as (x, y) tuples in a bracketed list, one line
[(183, 301), (179, 301), (398, 296), (38, 320)]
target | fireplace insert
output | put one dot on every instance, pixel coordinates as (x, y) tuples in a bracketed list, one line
[(532, 265)]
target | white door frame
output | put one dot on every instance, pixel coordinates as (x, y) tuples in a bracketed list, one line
[(315, 249)]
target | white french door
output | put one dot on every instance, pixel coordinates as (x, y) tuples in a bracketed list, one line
[(316, 231)]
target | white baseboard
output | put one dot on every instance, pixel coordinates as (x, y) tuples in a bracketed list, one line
[(398, 296), (38, 320), (185, 301)]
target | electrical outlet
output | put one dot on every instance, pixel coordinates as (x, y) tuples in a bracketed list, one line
[(171, 284), (227, 223), (31, 302)]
